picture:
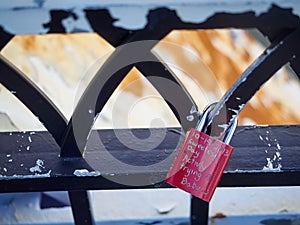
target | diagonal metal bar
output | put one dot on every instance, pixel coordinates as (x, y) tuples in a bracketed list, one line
[(295, 64), (95, 97), (105, 28), (171, 89), (81, 208), (93, 100), (34, 99), (251, 81), (163, 20), (106, 81)]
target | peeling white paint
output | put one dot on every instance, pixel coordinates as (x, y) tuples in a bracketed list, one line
[(38, 167), (251, 171), (130, 15), (194, 110), (190, 118), (224, 126), (16, 176), (234, 110), (273, 155), (80, 24), (86, 173)]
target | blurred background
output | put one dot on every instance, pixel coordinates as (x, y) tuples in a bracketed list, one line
[(206, 61)]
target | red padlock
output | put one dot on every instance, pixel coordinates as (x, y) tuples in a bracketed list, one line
[(201, 160)]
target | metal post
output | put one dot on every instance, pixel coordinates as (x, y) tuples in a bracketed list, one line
[(199, 211)]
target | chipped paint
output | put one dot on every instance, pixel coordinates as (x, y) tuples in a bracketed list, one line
[(38, 167), (86, 173), (273, 155), (130, 15), (251, 171), (80, 24), (16, 176), (190, 118)]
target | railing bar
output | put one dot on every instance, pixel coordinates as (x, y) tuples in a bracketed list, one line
[(295, 65), (81, 208), (94, 98), (199, 211), (102, 87), (251, 81), (34, 99), (171, 89), (105, 28)]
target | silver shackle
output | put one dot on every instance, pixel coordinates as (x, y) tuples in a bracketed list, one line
[(229, 131)]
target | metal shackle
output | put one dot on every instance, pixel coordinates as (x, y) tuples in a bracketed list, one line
[(229, 131)]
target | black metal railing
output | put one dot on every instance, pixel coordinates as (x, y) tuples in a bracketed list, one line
[(63, 150)]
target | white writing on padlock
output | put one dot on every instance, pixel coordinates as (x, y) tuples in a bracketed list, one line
[(213, 149), (190, 171), (206, 141), (196, 135), (191, 142), (191, 149), (201, 161), (190, 160), (192, 185)]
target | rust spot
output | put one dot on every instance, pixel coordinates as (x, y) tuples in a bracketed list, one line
[(216, 216), (29, 42), (219, 216)]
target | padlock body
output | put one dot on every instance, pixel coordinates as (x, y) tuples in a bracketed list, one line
[(199, 164)]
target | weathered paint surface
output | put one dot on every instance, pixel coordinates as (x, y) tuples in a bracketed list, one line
[(130, 15)]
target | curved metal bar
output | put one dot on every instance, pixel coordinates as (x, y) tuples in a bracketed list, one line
[(106, 81), (162, 19), (94, 98), (34, 99), (178, 99), (295, 65), (251, 80)]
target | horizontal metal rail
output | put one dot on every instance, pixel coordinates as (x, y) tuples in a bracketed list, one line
[(245, 167)]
